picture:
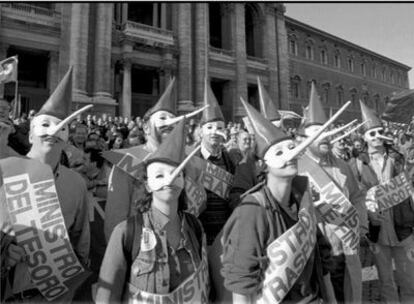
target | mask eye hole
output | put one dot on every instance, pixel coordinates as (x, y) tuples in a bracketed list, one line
[(291, 147), (380, 132), (279, 153), (372, 133)]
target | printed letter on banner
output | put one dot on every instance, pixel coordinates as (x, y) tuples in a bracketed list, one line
[(38, 224), (392, 192), (195, 289), (288, 255), (333, 206), (217, 180)]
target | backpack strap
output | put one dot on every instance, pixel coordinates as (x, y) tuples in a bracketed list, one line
[(133, 237)]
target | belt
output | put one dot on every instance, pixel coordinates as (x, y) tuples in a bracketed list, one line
[(25, 294)]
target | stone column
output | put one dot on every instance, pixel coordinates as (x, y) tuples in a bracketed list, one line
[(239, 35), (126, 90), (283, 58), (185, 63), (103, 47), (124, 12), (53, 73), (269, 52), (3, 54), (79, 49), (155, 14), (201, 44), (163, 23)]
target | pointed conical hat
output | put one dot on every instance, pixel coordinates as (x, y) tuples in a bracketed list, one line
[(266, 133), (267, 107), (213, 112), (60, 102), (172, 149), (315, 114), (166, 102), (370, 116)]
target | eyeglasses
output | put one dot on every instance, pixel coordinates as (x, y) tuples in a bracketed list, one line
[(374, 132)]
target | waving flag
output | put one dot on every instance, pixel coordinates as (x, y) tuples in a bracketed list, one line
[(400, 107), (8, 70)]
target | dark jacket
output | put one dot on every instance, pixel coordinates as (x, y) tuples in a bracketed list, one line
[(403, 212), (249, 231)]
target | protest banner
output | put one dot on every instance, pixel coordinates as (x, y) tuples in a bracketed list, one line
[(214, 178), (391, 192), (333, 206), (38, 224), (195, 289), (288, 254), (132, 160)]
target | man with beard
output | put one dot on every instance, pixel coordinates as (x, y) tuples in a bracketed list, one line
[(346, 263), (48, 139), (123, 189), (391, 231), (212, 149)]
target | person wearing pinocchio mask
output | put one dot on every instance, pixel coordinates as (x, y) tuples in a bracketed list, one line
[(48, 136), (218, 208), (391, 231), (123, 189), (272, 249), (326, 170), (160, 253)]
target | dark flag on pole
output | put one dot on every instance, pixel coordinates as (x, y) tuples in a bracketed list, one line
[(400, 108)]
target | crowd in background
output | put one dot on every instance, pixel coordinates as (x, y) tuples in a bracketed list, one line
[(92, 134)]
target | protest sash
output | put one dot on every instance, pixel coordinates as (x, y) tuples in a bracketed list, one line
[(333, 206), (214, 179), (38, 224), (195, 289), (391, 192), (289, 253), (132, 160)]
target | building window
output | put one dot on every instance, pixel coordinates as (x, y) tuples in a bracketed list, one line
[(324, 56), (295, 87), (392, 80), (374, 71), (337, 60), (398, 79), (377, 103), (383, 74), (353, 94), (325, 92), (309, 52), (340, 95), (350, 64), (363, 69), (293, 47), (253, 30)]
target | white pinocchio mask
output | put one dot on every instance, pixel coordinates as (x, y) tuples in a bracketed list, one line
[(279, 161), (160, 175), (47, 125), (377, 133)]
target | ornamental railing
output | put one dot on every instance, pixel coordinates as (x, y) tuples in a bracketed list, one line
[(150, 33)]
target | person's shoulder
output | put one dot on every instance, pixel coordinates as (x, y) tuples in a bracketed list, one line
[(72, 176)]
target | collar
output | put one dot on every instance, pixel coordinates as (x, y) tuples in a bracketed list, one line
[(206, 154), (371, 151), (159, 219)]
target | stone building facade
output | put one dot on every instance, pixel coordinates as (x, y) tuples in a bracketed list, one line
[(123, 55)]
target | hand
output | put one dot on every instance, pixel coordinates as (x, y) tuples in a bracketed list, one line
[(15, 255)]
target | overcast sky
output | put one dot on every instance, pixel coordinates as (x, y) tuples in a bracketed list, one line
[(385, 28)]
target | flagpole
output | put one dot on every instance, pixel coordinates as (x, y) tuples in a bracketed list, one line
[(17, 81)]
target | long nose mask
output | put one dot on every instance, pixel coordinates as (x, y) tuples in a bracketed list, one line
[(348, 133), (336, 130), (171, 121), (281, 161), (53, 130), (379, 135), (169, 180)]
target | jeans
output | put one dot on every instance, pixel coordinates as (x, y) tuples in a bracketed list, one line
[(403, 255)]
